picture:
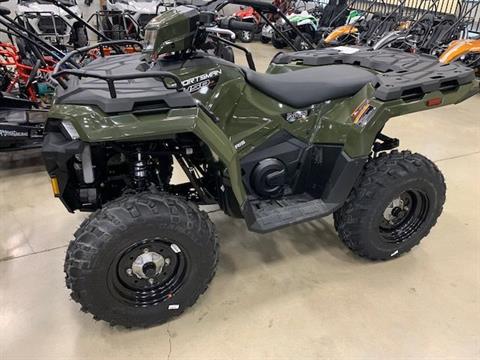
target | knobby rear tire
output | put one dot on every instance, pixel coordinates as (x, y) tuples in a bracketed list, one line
[(360, 221)]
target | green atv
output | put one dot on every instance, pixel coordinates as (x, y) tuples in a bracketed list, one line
[(296, 144)]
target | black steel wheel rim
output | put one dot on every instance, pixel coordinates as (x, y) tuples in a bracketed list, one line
[(304, 45), (129, 288), (404, 216), (246, 35)]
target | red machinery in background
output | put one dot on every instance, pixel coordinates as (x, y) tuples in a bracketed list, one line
[(20, 76)]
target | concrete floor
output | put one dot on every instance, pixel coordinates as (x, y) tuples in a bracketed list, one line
[(296, 293)]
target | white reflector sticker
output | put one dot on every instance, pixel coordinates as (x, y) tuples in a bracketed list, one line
[(347, 49), (175, 248)]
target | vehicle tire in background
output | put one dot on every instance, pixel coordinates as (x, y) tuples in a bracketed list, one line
[(265, 40), (246, 36), (141, 259), (301, 44), (278, 42), (396, 201), (79, 36)]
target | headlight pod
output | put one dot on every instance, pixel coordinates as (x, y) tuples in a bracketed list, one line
[(70, 130), (149, 40)]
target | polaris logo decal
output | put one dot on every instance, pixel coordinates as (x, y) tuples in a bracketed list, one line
[(207, 81), (12, 133)]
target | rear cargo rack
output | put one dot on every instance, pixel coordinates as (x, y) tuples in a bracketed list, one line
[(400, 75)]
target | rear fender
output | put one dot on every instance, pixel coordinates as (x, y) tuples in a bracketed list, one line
[(339, 124), (93, 126)]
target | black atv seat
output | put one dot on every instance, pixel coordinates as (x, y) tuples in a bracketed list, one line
[(302, 88)]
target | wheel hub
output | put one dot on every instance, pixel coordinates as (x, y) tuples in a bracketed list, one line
[(404, 215), (246, 35), (396, 210), (148, 264), (149, 271)]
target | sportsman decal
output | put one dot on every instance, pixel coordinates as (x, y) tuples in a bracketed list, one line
[(207, 81)]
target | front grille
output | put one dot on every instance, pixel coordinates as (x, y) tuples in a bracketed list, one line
[(144, 19), (45, 24)]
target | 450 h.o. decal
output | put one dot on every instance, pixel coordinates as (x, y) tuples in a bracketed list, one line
[(208, 80)]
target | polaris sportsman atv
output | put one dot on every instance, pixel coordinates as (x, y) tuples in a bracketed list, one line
[(296, 144)]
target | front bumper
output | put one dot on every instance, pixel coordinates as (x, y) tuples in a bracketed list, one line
[(59, 153)]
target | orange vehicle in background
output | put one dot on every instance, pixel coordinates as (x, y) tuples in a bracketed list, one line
[(468, 51), (344, 30)]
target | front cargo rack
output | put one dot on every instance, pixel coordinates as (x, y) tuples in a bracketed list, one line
[(85, 85), (60, 74), (110, 79)]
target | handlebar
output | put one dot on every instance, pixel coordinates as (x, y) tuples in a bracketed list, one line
[(235, 25), (260, 6), (221, 31)]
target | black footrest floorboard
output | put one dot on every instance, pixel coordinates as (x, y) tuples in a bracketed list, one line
[(267, 215)]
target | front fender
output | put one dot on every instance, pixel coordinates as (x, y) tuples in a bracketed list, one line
[(93, 126), (459, 48)]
